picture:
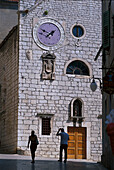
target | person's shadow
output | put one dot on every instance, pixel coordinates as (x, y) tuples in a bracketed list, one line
[(62, 166), (32, 167)]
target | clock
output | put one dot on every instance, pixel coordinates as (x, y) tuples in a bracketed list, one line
[(48, 34)]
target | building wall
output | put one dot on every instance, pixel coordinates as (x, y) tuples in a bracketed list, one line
[(9, 92), (108, 99), (38, 97)]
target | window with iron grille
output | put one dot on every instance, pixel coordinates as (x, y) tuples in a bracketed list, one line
[(46, 129)]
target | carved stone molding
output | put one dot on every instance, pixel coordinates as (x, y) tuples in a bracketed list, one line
[(48, 66)]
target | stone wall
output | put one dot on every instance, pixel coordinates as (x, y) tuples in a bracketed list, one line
[(38, 97), (44, 97), (9, 92)]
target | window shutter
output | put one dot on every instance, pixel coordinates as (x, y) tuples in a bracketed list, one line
[(106, 30), (113, 25)]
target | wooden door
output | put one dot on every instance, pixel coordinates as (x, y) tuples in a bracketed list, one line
[(77, 143)]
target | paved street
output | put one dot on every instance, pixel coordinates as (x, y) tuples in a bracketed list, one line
[(19, 162)]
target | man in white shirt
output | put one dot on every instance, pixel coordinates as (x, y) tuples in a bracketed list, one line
[(63, 144)]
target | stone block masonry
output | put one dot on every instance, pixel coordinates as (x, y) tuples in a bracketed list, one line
[(38, 96), (44, 98), (54, 97), (9, 92)]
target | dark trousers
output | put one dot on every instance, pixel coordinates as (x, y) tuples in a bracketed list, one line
[(33, 155), (33, 148), (63, 147)]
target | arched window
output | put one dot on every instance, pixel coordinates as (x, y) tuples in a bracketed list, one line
[(77, 108), (77, 67)]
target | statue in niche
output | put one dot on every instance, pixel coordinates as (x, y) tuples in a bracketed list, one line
[(77, 108), (48, 66)]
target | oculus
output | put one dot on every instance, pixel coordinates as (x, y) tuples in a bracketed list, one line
[(78, 31)]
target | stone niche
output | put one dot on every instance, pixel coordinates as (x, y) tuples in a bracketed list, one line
[(48, 66)]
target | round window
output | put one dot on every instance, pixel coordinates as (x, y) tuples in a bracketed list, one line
[(78, 31)]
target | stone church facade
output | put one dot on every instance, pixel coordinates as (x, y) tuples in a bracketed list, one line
[(47, 63)]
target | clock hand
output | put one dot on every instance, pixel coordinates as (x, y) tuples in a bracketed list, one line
[(50, 33), (41, 33), (44, 30)]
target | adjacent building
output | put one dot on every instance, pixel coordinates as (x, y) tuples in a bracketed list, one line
[(108, 77), (46, 66)]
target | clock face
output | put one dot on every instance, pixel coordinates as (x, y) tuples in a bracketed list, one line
[(49, 34)]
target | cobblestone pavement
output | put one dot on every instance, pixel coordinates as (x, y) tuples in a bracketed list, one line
[(19, 162)]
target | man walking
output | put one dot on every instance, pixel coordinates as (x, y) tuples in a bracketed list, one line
[(63, 144)]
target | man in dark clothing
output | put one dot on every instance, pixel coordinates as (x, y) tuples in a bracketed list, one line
[(64, 143), (34, 142)]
